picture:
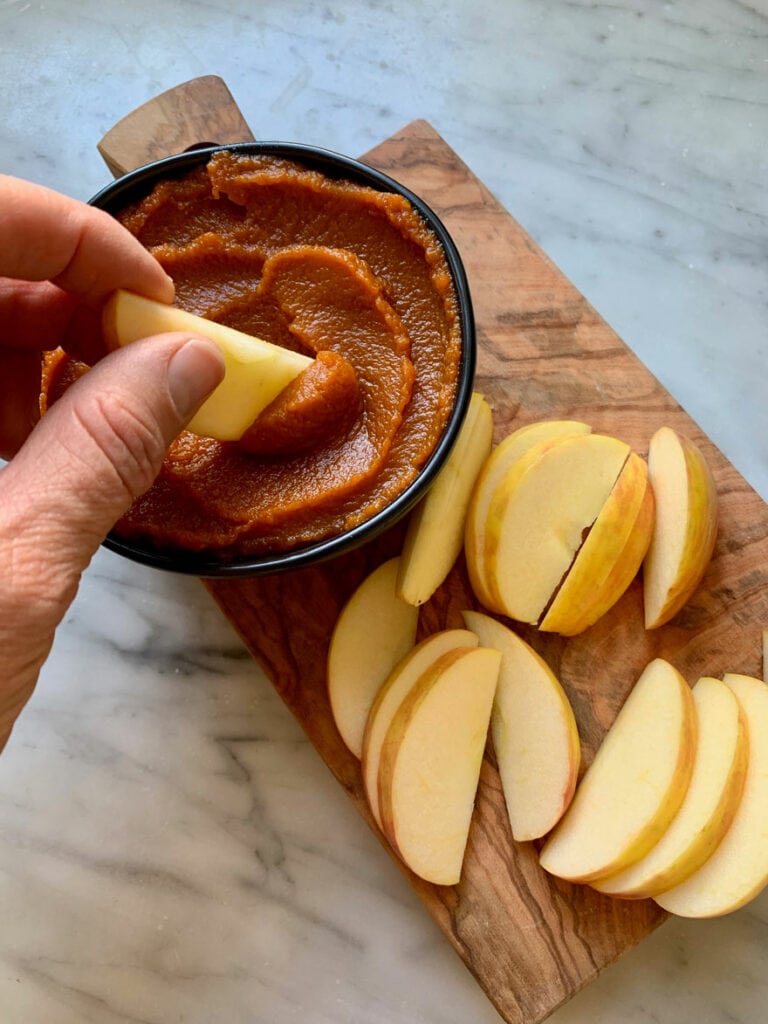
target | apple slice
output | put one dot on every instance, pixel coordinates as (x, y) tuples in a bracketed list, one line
[(713, 796), (635, 785), (431, 759), (610, 557), (534, 732), (501, 459), (374, 631), (436, 528), (765, 655), (538, 515), (256, 370), (391, 695), (685, 529), (738, 869)]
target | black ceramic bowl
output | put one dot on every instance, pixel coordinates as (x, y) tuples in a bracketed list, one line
[(137, 184)]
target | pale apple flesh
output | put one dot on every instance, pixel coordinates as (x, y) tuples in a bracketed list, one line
[(501, 459), (534, 731), (373, 632), (738, 869), (685, 528), (635, 785), (391, 695), (710, 804), (436, 528), (430, 763), (610, 557), (256, 371), (538, 515)]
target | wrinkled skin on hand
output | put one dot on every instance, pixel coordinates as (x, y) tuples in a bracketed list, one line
[(75, 472)]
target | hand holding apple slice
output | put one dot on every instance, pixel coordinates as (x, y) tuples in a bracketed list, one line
[(534, 732), (738, 869), (374, 631), (256, 371), (436, 527), (398, 685), (686, 525), (431, 759), (714, 793), (635, 785)]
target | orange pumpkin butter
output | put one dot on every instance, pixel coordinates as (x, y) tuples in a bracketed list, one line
[(333, 269)]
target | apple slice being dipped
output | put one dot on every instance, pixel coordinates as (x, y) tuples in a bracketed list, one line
[(255, 371)]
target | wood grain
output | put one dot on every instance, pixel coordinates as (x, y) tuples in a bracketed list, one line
[(530, 940), (188, 116)]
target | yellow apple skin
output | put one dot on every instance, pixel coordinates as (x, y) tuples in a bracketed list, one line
[(390, 696), (374, 631), (710, 804), (534, 731), (635, 785), (738, 869), (436, 527), (685, 528), (501, 459), (430, 763), (610, 557), (538, 515), (255, 371), (765, 655)]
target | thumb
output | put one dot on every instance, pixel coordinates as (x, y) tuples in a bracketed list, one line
[(97, 449), (101, 446)]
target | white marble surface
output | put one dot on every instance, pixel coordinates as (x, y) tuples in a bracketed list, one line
[(171, 848)]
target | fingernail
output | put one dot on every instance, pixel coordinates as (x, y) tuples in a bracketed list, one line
[(193, 372)]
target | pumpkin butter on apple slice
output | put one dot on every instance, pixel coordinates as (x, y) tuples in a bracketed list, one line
[(255, 371)]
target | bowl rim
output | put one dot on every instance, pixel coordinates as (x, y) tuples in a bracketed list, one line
[(135, 185)]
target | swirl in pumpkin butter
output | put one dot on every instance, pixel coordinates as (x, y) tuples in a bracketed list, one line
[(334, 270)]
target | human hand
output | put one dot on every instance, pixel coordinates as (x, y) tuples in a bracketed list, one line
[(73, 474)]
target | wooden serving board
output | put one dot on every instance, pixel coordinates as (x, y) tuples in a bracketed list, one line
[(530, 940)]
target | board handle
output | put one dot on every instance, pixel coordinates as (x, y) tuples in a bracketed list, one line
[(197, 113)]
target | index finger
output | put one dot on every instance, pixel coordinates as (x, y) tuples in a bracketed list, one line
[(50, 237)]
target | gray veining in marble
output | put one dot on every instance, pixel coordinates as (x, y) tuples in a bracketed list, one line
[(171, 847)]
